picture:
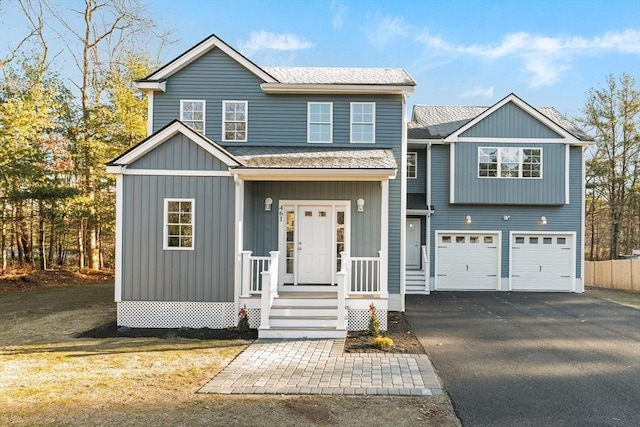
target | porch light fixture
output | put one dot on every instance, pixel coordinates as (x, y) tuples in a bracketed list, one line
[(267, 204), (543, 220), (468, 219), (506, 217), (360, 203)]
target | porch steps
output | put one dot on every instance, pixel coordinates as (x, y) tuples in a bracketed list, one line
[(304, 315), (414, 282)]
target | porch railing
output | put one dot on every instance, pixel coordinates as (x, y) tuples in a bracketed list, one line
[(363, 274), (427, 268), (252, 267)]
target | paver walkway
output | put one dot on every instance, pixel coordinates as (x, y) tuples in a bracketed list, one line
[(321, 367)]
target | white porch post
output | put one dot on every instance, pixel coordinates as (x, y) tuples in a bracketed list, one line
[(246, 273), (343, 281), (384, 239), (238, 256), (119, 231), (269, 290)]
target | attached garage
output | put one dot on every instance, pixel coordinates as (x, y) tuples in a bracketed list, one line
[(542, 262), (467, 261)]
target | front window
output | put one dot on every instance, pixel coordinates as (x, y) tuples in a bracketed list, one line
[(363, 119), (412, 165), (320, 122), (234, 121), (192, 114), (178, 223), (509, 162)]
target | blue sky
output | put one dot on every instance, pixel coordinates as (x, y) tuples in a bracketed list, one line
[(550, 53)]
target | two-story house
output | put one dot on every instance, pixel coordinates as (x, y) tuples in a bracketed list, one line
[(495, 199), (275, 189)]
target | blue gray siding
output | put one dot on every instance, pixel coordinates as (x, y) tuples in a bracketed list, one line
[(153, 274), (178, 153), (418, 185), (272, 119), (566, 218), (510, 121), (548, 190)]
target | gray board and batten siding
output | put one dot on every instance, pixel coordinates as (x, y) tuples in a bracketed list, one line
[(273, 119), (203, 274), (565, 218), (179, 153), (548, 190), (510, 121)]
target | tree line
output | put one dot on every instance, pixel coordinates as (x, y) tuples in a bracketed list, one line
[(56, 133)]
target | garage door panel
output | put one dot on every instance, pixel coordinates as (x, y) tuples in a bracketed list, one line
[(541, 262), (467, 261)]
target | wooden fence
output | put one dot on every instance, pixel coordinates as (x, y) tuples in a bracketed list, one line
[(614, 274)]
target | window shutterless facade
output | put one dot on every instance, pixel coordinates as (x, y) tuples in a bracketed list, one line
[(363, 122), (192, 114), (509, 162), (234, 121), (412, 164), (320, 122), (178, 224)]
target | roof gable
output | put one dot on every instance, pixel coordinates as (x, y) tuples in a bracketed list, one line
[(526, 108), (168, 133), (200, 49)]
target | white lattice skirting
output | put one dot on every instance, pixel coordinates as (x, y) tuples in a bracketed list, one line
[(173, 314), (215, 315)]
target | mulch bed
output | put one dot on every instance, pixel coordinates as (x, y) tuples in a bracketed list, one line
[(357, 342)]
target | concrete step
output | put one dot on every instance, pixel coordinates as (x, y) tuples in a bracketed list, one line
[(315, 322), (298, 311), (301, 332)]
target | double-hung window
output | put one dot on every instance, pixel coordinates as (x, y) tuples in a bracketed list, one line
[(178, 224), (412, 164), (234, 121), (192, 114), (320, 122), (509, 162), (363, 122)]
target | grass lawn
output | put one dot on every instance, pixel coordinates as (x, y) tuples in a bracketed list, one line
[(49, 377)]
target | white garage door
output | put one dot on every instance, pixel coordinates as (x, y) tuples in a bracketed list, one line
[(542, 262), (467, 261)]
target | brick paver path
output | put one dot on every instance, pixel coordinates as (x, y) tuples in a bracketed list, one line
[(321, 367)]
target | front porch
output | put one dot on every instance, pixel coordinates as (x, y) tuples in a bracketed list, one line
[(280, 310)]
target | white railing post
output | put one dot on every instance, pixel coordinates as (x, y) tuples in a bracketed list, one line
[(426, 267), (273, 269), (269, 290), (246, 274), (343, 278), (383, 275)]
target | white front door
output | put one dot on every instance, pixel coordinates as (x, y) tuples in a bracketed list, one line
[(314, 244), (413, 243)]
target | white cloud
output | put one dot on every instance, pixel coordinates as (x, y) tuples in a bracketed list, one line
[(478, 92), (383, 28), (264, 40), (339, 11), (545, 58)]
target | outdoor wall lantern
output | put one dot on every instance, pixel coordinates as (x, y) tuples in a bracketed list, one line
[(267, 204), (468, 219), (506, 217), (360, 204), (543, 220)]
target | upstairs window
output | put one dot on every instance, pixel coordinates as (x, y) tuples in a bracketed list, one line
[(509, 162), (412, 164), (178, 224), (363, 119), (320, 122), (192, 114), (234, 121)]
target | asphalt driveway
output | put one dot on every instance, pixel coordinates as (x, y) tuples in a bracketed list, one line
[(532, 359)]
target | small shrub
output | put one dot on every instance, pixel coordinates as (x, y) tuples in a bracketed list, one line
[(374, 323), (243, 323), (382, 343)]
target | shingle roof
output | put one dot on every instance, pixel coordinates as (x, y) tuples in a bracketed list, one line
[(314, 158), (360, 76), (435, 122)]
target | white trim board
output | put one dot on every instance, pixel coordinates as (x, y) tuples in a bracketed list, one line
[(122, 170)]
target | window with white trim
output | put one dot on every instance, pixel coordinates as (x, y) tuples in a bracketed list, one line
[(509, 162), (412, 164), (234, 121), (320, 122), (178, 224), (363, 122), (192, 114)]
